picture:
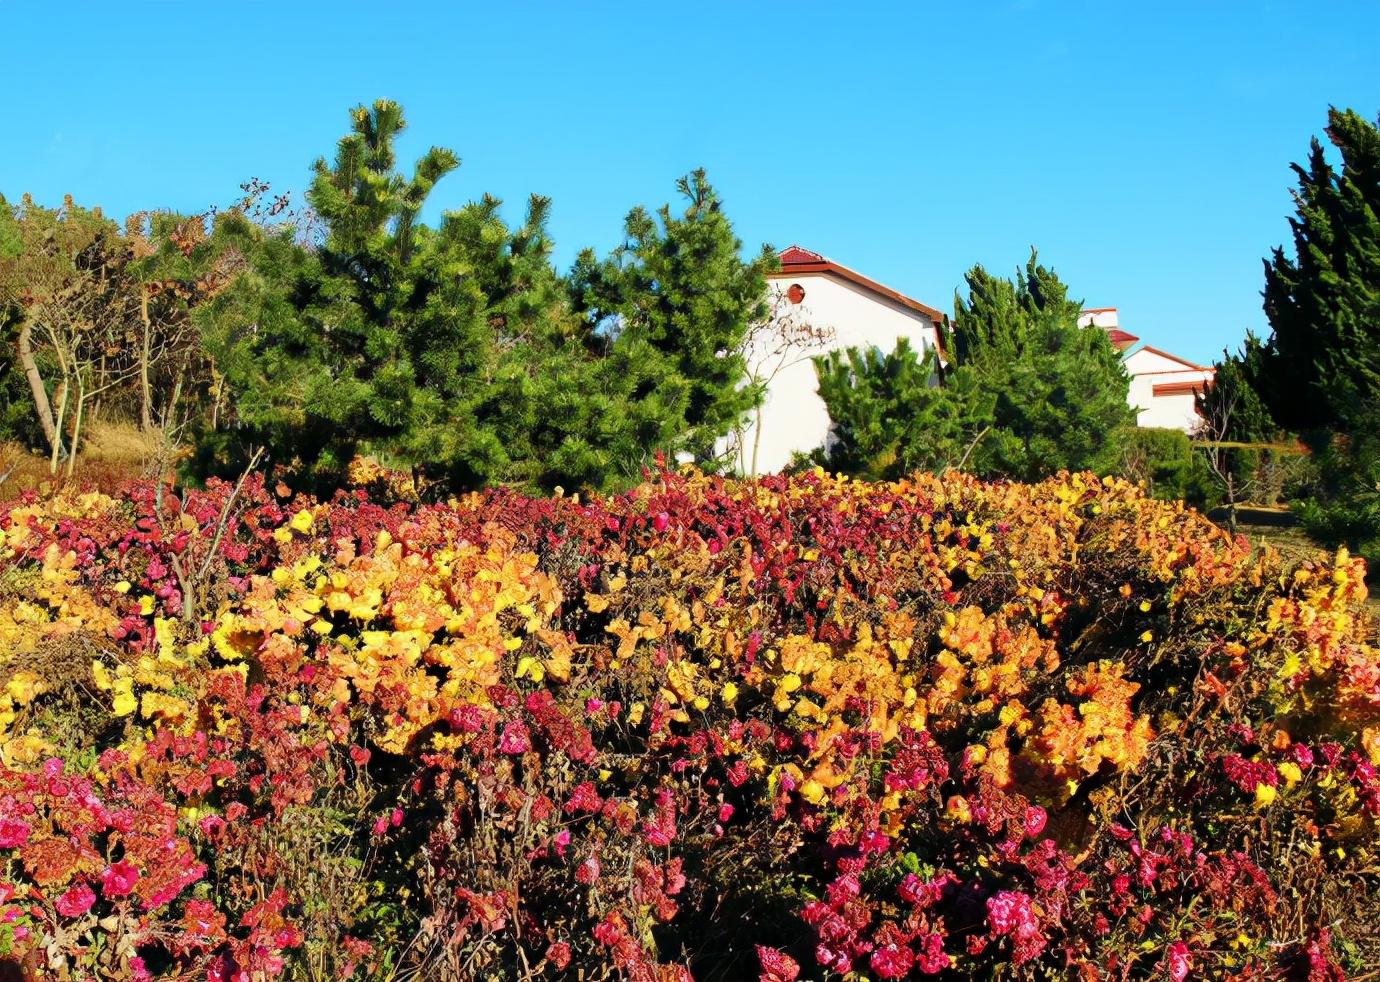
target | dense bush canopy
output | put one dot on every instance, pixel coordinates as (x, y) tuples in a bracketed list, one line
[(790, 728), (1018, 390)]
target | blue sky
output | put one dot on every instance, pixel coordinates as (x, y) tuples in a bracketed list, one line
[(1144, 148)]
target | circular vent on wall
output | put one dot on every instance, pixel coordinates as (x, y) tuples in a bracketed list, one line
[(795, 293)]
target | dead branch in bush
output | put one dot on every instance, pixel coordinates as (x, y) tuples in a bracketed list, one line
[(192, 580)]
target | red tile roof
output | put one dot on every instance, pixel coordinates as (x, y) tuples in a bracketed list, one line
[(1121, 340), (1182, 361), (795, 260), (1177, 388), (795, 255)]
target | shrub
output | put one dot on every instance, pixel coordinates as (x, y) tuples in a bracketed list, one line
[(1163, 460), (796, 727)]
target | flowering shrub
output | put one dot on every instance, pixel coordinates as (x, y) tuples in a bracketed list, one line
[(792, 728)]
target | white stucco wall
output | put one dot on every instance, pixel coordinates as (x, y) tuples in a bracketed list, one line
[(1149, 368), (1171, 411), (1104, 317), (793, 417)]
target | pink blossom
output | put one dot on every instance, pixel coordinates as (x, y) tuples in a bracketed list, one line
[(892, 961), (13, 833), (931, 960), (211, 826), (514, 739), (777, 966), (1010, 912), (76, 901), (1177, 961), (558, 954), (1034, 821), (583, 798), (118, 879), (200, 917), (588, 871)]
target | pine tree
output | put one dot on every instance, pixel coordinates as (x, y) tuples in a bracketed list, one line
[(1321, 367), (457, 352), (889, 418), (377, 341), (1059, 390), (1025, 392), (678, 293)]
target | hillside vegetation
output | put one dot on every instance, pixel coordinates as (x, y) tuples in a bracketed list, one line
[(791, 728)]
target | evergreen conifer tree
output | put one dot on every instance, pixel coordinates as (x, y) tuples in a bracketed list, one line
[(457, 352), (1323, 303), (889, 417), (1025, 392), (1320, 374), (677, 298), (1060, 390), (375, 341)]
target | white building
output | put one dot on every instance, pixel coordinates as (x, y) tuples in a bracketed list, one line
[(1163, 386), (819, 305)]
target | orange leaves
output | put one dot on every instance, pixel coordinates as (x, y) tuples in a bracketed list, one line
[(1069, 743)]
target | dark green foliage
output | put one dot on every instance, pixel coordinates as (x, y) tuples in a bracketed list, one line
[(1026, 392), (1320, 373), (1060, 389), (17, 420), (678, 293), (1323, 303), (1235, 401), (375, 341), (890, 418), (1233, 411), (456, 352), (1344, 508), (1164, 460)]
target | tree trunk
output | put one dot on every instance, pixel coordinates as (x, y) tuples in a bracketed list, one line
[(756, 440), (218, 384), (76, 429), (145, 389), (42, 407), (61, 418), (169, 419)]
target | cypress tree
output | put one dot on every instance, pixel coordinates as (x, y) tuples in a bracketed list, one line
[(1320, 373), (1323, 303)]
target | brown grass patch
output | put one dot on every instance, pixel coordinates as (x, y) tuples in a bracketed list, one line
[(111, 454)]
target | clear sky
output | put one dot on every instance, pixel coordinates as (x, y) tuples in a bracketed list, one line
[(1143, 147)]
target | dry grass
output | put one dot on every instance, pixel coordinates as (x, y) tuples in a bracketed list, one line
[(111, 454)]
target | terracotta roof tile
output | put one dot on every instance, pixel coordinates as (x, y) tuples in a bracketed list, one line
[(796, 255)]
